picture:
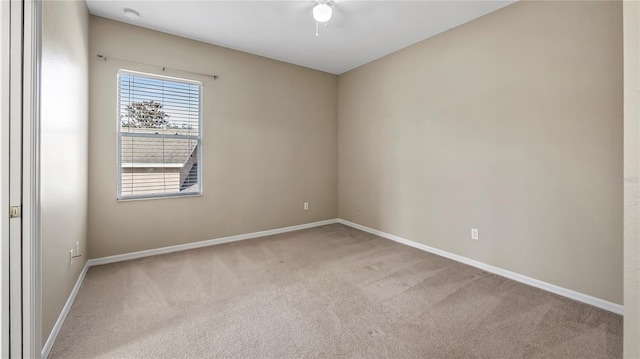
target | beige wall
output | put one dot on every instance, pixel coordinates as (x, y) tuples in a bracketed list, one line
[(631, 179), (64, 134), (269, 144), (511, 124)]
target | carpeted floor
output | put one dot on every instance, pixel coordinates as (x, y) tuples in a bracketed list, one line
[(326, 292)]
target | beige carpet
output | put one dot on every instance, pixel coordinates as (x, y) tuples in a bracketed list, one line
[(326, 292)]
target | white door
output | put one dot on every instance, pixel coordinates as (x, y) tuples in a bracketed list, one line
[(19, 251)]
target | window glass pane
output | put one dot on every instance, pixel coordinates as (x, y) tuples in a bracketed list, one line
[(159, 133), (179, 102)]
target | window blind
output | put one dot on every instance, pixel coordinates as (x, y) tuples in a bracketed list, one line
[(159, 134)]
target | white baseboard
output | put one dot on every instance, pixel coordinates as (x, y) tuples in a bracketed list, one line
[(580, 297), (210, 242), (63, 315)]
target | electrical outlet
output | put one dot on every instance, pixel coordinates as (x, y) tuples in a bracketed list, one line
[(474, 233), (306, 206), (74, 253)]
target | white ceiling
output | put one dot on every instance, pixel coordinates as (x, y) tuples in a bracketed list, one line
[(359, 31)]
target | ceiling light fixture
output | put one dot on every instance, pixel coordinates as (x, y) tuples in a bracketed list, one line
[(322, 12), (131, 14)]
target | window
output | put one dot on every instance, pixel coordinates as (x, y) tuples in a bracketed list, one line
[(159, 134)]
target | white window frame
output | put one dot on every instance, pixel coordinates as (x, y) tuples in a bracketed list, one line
[(198, 137)]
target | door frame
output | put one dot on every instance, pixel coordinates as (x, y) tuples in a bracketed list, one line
[(5, 68), (31, 233)]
